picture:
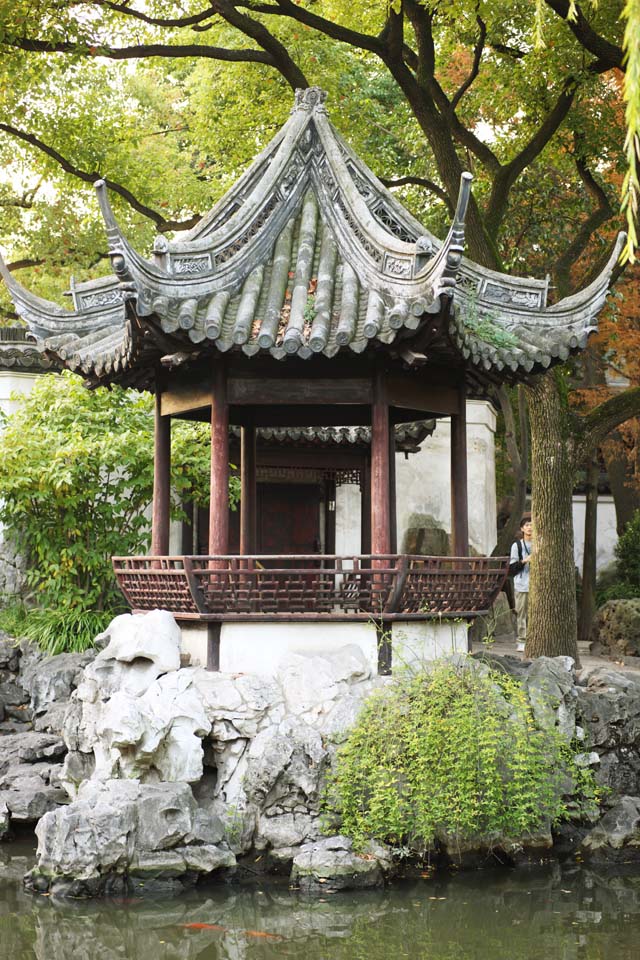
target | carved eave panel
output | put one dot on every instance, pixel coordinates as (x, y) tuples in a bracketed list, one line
[(508, 333)]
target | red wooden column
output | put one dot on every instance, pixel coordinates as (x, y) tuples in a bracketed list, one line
[(393, 522), (380, 492), (459, 500), (219, 488), (248, 492), (160, 513)]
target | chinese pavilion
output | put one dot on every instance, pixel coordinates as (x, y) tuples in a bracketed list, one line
[(308, 298)]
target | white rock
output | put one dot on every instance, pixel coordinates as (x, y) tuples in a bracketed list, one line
[(308, 683), (349, 663), (141, 647)]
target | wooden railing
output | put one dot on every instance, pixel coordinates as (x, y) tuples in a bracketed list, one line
[(312, 587)]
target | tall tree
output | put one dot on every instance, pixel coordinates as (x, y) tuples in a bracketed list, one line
[(527, 94)]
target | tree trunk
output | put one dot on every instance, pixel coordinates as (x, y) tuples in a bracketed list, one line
[(626, 495), (588, 597), (552, 627), (519, 457)]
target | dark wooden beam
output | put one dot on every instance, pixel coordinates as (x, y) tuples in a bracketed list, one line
[(459, 497), (185, 398), (160, 514), (248, 502), (219, 490), (380, 494), (246, 391), (429, 394), (302, 415)]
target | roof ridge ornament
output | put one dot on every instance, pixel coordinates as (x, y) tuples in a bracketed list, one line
[(114, 235), (457, 231), (310, 100), (446, 264)]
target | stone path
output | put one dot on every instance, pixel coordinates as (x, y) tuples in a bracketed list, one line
[(505, 645)]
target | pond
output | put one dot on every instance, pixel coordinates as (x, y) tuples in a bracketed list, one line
[(549, 912)]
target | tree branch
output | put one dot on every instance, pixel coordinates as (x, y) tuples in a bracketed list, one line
[(421, 20), (257, 31), (509, 173), (603, 211), (139, 50), (513, 52), (24, 263), (286, 8), (128, 11), (161, 223), (475, 68), (609, 54), (419, 182), (595, 425)]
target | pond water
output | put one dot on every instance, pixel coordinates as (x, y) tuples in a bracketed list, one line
[(547, 913)]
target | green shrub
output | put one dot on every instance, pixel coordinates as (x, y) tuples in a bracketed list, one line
[(66, 630), (76, 477), (628, 552), (617, 591), (454, 752)]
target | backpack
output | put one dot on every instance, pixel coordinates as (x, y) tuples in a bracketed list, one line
[(517, 566)]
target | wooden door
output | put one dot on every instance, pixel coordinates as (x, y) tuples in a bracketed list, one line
[(288, 518)]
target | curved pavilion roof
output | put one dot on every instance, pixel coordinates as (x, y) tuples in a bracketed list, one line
[(407, 436), (307, 254), (20, 354)]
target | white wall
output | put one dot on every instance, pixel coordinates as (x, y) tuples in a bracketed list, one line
[(14, 382), (423, 481), (423, 485), (606, 536)]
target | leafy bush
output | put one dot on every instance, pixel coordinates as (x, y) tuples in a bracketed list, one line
[(617, 591), (64, 630), (628, 552), (453, 753), (76, 477)]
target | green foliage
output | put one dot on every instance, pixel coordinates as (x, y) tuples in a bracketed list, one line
[(76, 476), (484, 326), (622, 590), (451, 753), (310, 310), (66, 630), (628, 552), (631, 182)]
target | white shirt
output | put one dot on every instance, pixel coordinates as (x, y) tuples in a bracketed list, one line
[(521, 580)]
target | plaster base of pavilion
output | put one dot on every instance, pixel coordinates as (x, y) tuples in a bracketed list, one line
[(259, 647)]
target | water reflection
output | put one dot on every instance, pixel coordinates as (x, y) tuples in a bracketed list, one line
[(567, 913)]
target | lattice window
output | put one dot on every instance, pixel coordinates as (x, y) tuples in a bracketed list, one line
[(387, 219)]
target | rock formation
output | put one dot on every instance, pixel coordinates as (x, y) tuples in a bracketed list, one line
[(140, 773)]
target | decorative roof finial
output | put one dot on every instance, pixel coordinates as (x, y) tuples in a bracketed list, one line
[(310, 99), (456, 233)]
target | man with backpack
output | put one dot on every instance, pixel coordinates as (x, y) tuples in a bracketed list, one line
[(519, 560)]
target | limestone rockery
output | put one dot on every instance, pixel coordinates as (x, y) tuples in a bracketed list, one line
[(142, 774)]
